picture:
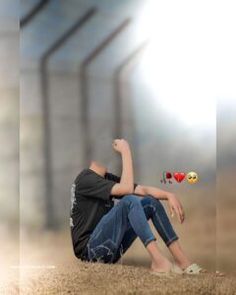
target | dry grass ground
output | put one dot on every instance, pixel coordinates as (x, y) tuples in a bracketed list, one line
[(87, 278)]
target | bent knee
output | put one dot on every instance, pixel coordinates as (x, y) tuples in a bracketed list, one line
[(155, 202), (131, 199)]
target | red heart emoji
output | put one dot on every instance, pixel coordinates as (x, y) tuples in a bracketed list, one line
[(179, 176)]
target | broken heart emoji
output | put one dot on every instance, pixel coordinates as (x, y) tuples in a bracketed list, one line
[(179, 176)]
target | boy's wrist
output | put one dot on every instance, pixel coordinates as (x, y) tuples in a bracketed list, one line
[(125, 150), (168, 196)]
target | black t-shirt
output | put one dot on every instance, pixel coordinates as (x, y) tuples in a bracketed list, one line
[(90, 201)]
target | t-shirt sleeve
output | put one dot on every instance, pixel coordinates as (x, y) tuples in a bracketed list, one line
[(116, 178), (95, 187)]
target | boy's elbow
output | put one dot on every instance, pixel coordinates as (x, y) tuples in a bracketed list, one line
[(130, 190), (120, 190), (127, 190)]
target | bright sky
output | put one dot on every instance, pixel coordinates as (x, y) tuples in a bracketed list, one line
[(190, 61)]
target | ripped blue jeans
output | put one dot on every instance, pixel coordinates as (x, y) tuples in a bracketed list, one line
[(126, 221)]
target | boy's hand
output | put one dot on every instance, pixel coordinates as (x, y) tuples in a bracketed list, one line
[(175, 207), (120, 145)]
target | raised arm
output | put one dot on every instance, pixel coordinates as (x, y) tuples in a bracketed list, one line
[(126, 184)]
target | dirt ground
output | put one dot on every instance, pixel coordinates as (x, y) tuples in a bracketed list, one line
[(87, 278), (48, 266)]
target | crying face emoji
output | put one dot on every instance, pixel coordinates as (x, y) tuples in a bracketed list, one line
[(192, 177)]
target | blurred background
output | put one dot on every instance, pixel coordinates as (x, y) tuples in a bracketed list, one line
[(159, 74), (9, 148)]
